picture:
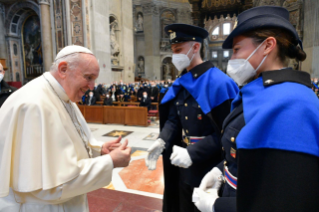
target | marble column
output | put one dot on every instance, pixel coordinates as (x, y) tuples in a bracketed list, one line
[(46, 34), (3, 45)]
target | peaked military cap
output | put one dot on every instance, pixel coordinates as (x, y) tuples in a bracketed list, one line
[(179, 33), (262, 17)]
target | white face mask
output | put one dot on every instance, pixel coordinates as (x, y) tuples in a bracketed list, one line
[(241, 71), (1, 77), (181, 61)]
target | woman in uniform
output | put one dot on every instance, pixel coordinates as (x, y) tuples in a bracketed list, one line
[(271, 137)]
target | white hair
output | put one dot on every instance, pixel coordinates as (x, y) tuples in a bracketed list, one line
[(72, 61)]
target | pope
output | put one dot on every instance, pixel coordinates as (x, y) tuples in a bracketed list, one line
[(49, 159)]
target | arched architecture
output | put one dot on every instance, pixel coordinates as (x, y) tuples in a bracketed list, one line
[(152, 43), (32, 32)]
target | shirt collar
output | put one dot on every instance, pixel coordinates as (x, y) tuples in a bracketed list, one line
[(57, 87), (286, 75), (200, 69)]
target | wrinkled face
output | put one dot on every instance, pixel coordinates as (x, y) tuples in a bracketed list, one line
[(82, 77)]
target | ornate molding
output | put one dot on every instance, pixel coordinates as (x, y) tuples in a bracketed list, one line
[(47, 2), (149, 9)]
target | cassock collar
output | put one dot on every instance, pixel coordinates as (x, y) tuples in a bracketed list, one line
[(57, 87)]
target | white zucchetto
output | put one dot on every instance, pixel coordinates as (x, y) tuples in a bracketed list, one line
[(71, 50)]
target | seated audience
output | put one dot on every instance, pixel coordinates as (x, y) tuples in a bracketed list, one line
[(108, 100), (146, 101), (90, 100)]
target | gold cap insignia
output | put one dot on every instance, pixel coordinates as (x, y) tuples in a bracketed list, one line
[(173, 35), (236, 22)]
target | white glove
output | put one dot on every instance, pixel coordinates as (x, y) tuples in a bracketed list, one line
[(180, 157), (212, 180), (204, 201), (153, 153)]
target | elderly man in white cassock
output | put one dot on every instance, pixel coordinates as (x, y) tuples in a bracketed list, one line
[(49, 159)]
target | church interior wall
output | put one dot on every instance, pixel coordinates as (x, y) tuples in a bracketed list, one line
[(100, 38), (311, 37), (149, 42)]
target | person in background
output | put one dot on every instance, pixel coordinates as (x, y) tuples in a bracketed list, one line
[(140, 92), (90, 100), (108, 100), (163, 91), (5, 89), (154, 92), (146, 101)]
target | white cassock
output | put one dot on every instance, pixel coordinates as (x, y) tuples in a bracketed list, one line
[(44, 152)]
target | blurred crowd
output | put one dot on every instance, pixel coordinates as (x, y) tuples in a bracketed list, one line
[(144, 92), (315, 86)]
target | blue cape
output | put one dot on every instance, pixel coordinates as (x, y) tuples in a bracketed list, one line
[(209, 90), (283, 116)]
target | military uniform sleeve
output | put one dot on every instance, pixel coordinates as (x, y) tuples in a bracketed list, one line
[(225, 204), (198, 152), (172, 126), (277, 180), (95, 173)]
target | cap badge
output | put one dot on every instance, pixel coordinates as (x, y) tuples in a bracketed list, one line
[(236, 22), (173, 35)]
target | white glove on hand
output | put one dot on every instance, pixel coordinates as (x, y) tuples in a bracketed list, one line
[(204, 201), (153, 153), (212, 180), (180, 157)]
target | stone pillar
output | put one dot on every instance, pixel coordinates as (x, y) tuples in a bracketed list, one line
[(152, 29), (3, 45), (46, 34)]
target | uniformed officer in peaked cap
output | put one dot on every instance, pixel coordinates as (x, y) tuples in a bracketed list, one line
[(191, 116), (270, 139)]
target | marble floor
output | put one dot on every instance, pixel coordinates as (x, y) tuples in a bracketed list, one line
[(133, 188)]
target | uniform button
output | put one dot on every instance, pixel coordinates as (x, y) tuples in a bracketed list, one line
[(186, 131), (186, 117), (195, 75), (222, 131), (177, 103), (225, 162), (223, 149), (185, 104), (232, 139)]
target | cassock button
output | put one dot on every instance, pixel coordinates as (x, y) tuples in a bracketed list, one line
[(232, 139), (186, 117), (185, 104)]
